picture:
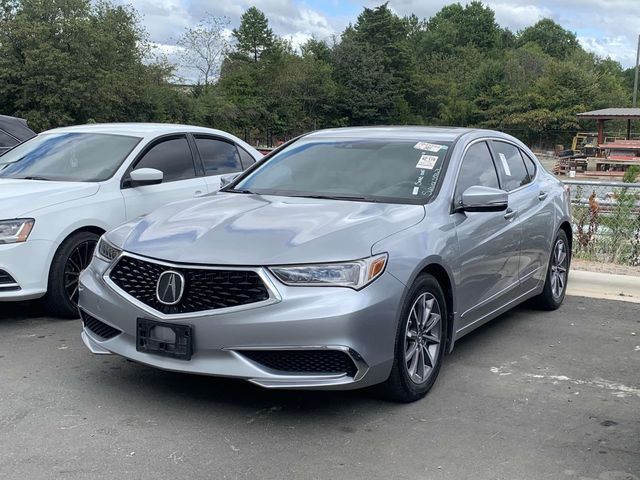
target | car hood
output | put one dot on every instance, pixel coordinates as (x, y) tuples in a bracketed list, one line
[(20, 197), (249, 229)]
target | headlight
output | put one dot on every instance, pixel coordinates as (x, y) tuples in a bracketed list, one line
[(356, 274), (106, 251), (15, 231)]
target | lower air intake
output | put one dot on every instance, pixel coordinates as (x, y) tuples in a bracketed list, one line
[(97, 327), (304, 361)]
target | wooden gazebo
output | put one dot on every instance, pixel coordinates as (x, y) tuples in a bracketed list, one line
[(605, 114)]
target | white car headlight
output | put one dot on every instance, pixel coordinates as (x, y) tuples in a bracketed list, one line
[(356, 274), (106, 251), (15, 231)]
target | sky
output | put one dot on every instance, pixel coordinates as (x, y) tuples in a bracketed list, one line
[(610, 28)]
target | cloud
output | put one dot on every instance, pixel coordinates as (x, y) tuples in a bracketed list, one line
[(608, 29)]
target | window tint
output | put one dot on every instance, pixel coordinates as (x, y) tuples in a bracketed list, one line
[(6, 140), (172, 157), (218, 157), (530, 164), (477, 169), (247, 160), (511, 166)]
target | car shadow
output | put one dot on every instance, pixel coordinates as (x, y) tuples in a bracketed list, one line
[(202, 393), (21, 310)]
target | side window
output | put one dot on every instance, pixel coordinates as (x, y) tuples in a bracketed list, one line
[(218, 157), (511, 166), (530, 164), (6, 140), (247, 160), (172, 157), (477, 169)]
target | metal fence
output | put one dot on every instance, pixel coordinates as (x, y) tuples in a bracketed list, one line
[(606, 221)]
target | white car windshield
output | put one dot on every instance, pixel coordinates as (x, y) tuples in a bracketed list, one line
[(395, 171), (71, 157)]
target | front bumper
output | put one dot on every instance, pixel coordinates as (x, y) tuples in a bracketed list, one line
[(27, 264), (362, 324)]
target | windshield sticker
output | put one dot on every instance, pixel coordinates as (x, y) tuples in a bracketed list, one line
[(415, 190), (428, 147), (505, 165), (427, 161), (434, 180)]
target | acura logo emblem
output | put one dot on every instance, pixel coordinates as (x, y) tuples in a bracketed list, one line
[(170, 287)]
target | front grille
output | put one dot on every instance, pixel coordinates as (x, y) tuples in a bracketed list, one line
[(304, 361), (99, 328), (7, 282), (204, 289)]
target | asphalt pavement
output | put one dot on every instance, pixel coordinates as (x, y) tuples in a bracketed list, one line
[(531, 395)]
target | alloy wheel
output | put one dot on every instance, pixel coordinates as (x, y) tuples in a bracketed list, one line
[(78, 260), (559, 264), (423, 337)]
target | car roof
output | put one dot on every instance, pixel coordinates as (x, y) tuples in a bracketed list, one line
[(136, 129), (16, 127), (418, 133)]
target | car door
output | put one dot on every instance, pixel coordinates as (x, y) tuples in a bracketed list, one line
[(533, 212), (173, 156), (488, 242), (219, 157)]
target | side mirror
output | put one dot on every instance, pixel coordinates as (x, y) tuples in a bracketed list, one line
[(484, 199), (145, 176), (228, 178)]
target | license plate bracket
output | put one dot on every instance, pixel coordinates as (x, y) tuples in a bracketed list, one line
[(181, 347)]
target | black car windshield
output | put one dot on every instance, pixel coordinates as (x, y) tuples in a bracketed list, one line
[(398, 171), (71, 157)]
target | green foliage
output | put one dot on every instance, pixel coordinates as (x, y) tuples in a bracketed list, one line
[(69, 61), (632, 174), (551, 38), (254, 35)]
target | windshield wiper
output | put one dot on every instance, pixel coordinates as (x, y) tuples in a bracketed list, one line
[(235, 190), (32, 178), (340, 197)]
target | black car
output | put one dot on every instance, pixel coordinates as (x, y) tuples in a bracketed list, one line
[(12, 132)]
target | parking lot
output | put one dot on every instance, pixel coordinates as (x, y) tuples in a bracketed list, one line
[(531, 395)]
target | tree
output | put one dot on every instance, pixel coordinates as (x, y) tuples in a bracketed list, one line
[(68, 61), (551, 38), (204, 47), (254, 35)]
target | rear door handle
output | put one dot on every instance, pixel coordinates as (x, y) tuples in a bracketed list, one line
[(510, 214), (198, 193), (542, 195)]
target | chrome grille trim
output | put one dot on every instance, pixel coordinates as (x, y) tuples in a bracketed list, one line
[(274, 296)]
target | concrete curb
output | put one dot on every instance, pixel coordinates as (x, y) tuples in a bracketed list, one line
[(608, 286)]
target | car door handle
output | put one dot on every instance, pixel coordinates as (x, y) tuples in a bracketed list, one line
[(510, 214), (198, 193), (542, 195)]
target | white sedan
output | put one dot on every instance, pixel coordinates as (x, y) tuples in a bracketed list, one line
[(64, 188)]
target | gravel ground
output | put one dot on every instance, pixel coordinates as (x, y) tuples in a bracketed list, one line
[(531, 395), (588, 266)]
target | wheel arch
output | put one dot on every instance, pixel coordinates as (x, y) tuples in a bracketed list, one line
[(565, 226), (85, 228), (443, 278)]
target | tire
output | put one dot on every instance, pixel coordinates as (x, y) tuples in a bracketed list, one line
[(403, 384), (555, 283), (73, 255)]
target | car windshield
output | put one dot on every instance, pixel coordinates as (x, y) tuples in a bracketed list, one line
[(395, 171), (71, 157)]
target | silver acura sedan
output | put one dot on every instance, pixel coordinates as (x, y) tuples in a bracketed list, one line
[(347, 258)]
